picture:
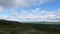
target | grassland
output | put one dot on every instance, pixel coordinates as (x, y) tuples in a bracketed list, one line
[(14, 27)]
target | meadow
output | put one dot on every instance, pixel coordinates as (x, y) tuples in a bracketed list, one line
[(14, 27)]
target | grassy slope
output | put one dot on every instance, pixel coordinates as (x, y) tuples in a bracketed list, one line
[(17, 26), (14, 25)]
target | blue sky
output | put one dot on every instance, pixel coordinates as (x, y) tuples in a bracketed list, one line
[(51, 5), (30, 10)]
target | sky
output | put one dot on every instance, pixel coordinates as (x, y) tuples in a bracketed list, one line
[(30, 10)]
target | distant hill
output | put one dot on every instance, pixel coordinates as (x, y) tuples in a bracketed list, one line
[(7, 22)]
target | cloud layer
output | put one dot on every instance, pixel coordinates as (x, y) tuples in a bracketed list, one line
[(22, 3), (35, 15)]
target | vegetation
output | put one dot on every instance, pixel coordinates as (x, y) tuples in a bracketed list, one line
[(14, 27)]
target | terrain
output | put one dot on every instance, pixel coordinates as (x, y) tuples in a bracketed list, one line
[(14, 27)]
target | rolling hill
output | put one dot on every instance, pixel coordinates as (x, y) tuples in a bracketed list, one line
[(14, 27)]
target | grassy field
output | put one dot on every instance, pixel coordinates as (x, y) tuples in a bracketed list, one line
[(13, 27)]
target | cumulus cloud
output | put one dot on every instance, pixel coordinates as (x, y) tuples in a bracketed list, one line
[(42, 15), (38, 15)]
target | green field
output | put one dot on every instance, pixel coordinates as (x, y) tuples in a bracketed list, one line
[(14, 27)]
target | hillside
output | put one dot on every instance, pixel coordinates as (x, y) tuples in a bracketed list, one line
[(14, 27)]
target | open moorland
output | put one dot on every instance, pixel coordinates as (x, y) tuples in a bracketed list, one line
[(14, 27)]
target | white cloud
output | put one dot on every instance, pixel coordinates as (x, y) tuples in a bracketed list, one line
[(45, 15), (38, 15), (36, 11), (26, 16), (27, 3), (1, 9), (22, 3)]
